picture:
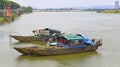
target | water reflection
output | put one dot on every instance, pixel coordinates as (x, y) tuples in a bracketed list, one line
[(70, 60)]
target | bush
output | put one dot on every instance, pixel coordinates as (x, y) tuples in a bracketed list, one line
[(14, 15), (1, 14), (8, 19), (2, 20)]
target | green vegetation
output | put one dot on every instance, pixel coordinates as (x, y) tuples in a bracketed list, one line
[(4, 3), (1, 4), (2, 20), (110, 11), (26, 9), (7, 19), (16, 10), (1, 17)]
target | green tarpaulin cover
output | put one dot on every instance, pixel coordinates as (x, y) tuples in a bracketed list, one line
[(73, 37)]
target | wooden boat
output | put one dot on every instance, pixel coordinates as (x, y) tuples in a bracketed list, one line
[(62, 48), (54, 51), (26, 38), (39, 35)]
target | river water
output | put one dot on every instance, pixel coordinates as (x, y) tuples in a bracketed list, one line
[(91, 24)]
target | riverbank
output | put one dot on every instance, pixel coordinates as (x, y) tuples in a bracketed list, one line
[(54, 10), (10, 10), (110, 11), (14, 15), (4, 19)]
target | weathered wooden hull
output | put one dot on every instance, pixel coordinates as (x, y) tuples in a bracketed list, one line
[(26, 38), (54, 51)]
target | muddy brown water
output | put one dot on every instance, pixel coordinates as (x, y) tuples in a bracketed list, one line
[(91, 24)]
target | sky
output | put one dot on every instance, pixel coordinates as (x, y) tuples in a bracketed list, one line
[(64, 3)]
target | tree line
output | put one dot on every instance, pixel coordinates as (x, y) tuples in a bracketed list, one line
[(4, 3), (13, 5)]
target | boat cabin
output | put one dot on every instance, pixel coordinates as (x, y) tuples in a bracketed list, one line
[(71, 41), (46, 32)]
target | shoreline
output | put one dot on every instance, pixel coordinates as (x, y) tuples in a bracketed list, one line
[(110, 11), (56, 10)]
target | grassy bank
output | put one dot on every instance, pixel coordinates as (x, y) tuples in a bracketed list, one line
[(110, 11), (4, 19)]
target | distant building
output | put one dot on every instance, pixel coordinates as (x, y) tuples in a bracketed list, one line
[(117, 5)]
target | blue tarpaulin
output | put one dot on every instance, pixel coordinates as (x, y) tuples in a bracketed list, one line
[(86, 39), (78, 46), (63, 45)]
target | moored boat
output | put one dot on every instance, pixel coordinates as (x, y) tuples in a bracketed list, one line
[(26, 38), (39, 35), (73, 44)]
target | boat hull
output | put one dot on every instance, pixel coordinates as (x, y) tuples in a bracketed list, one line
[(54, 51), (26, 38)]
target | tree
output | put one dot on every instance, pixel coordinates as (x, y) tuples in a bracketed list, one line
[(27, 9), (13, 5), (1, 4), (4, 3)]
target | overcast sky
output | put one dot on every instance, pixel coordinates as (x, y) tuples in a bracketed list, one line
[(64, 3)]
